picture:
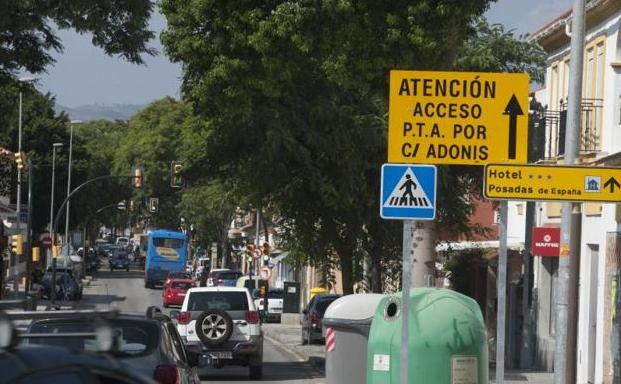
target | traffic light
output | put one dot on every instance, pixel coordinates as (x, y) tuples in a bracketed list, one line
[(176, 179), (20, 160), (17, 244), (154, 204), (265, 249), (250, 251), (138, 176), (36, 256)]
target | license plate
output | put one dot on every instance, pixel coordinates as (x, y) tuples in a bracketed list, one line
[(181, 294), (221, 355)]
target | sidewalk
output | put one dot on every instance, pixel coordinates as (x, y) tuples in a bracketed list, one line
[(289, 338)]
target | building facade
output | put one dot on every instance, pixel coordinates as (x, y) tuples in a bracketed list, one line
[(599, 145)]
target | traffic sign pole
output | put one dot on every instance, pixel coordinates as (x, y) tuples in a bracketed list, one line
[(501, 287), (406, 282)]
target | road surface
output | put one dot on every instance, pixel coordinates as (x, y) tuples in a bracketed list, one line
[(125, 291)]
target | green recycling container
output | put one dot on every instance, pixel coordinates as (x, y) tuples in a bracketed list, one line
[(447, 339)]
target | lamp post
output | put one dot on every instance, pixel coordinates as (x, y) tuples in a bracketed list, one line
[(19, 174), (69, 182), (54, 147)]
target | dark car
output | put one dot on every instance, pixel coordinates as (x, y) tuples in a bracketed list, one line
[(38, 364), (149, 346), (119, 260), (312, 317), (223, 278), (67, 288)]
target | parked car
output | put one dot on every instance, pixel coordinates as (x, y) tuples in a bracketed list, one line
[(175, 290), (119, 260), (274, 304), (177, 275), (40, 364), (149, 346), (67, 288), (122, 241), (223, 277), (312, 317), (222, 326)]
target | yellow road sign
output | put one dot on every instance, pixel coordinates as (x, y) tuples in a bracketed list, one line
[(552, 182), (457, 117)]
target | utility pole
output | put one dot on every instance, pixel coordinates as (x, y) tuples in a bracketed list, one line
[(257, 244), (68, 189), (28, 251), (564, 356)]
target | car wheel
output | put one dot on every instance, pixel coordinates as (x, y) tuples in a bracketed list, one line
[(214, 327), (256, 372)]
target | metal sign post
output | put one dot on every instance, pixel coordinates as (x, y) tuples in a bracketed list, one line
[(406, 279), (501, 287)]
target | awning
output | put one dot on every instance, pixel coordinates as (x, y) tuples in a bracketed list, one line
[(279, 258), (512, 244)]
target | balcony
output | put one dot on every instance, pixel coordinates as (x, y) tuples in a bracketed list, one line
[(550, 127)]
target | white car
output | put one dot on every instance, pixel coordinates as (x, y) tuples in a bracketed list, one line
[(122, 241), (274, 304), (222, 325)]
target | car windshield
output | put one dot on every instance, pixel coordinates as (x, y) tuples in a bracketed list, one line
[(275, 294), (226, 301), (135, 338), (323, 304), (228, 275), (181, 284), (167, 242)]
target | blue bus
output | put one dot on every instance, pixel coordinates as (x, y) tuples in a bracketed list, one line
[(166, 252)]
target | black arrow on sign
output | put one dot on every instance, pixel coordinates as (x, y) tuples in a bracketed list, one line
[(514, 110), (612, 183)]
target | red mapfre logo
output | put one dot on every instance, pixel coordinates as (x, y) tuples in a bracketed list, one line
[(546, 241)]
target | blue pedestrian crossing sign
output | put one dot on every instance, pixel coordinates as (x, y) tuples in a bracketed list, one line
[(408, 192)]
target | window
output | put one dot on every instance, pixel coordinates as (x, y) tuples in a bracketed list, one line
[(323, 304), (226, 301), (553, 209), (168, 242), (520, 209), (275, 294), (228, 275), (135, 338)]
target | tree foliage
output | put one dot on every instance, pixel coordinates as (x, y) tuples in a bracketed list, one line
[(294, 95), (152, 141), (28, 29)]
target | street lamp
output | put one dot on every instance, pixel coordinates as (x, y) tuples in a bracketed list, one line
[(54, 147), (19, 172), (69, 183)]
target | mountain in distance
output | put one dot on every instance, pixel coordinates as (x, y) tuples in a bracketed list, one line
[(100, 111)]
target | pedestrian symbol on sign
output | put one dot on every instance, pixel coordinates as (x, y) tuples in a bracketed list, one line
[(408, 192)]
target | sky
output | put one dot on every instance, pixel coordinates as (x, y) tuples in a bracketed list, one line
[(83, 74)]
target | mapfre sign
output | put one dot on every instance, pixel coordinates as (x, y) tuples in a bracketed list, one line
[(546, 241), (457, 117)]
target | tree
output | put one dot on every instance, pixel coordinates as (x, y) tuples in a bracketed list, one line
[(27, 33), (152, 141), (210, 208), (291, 98)]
